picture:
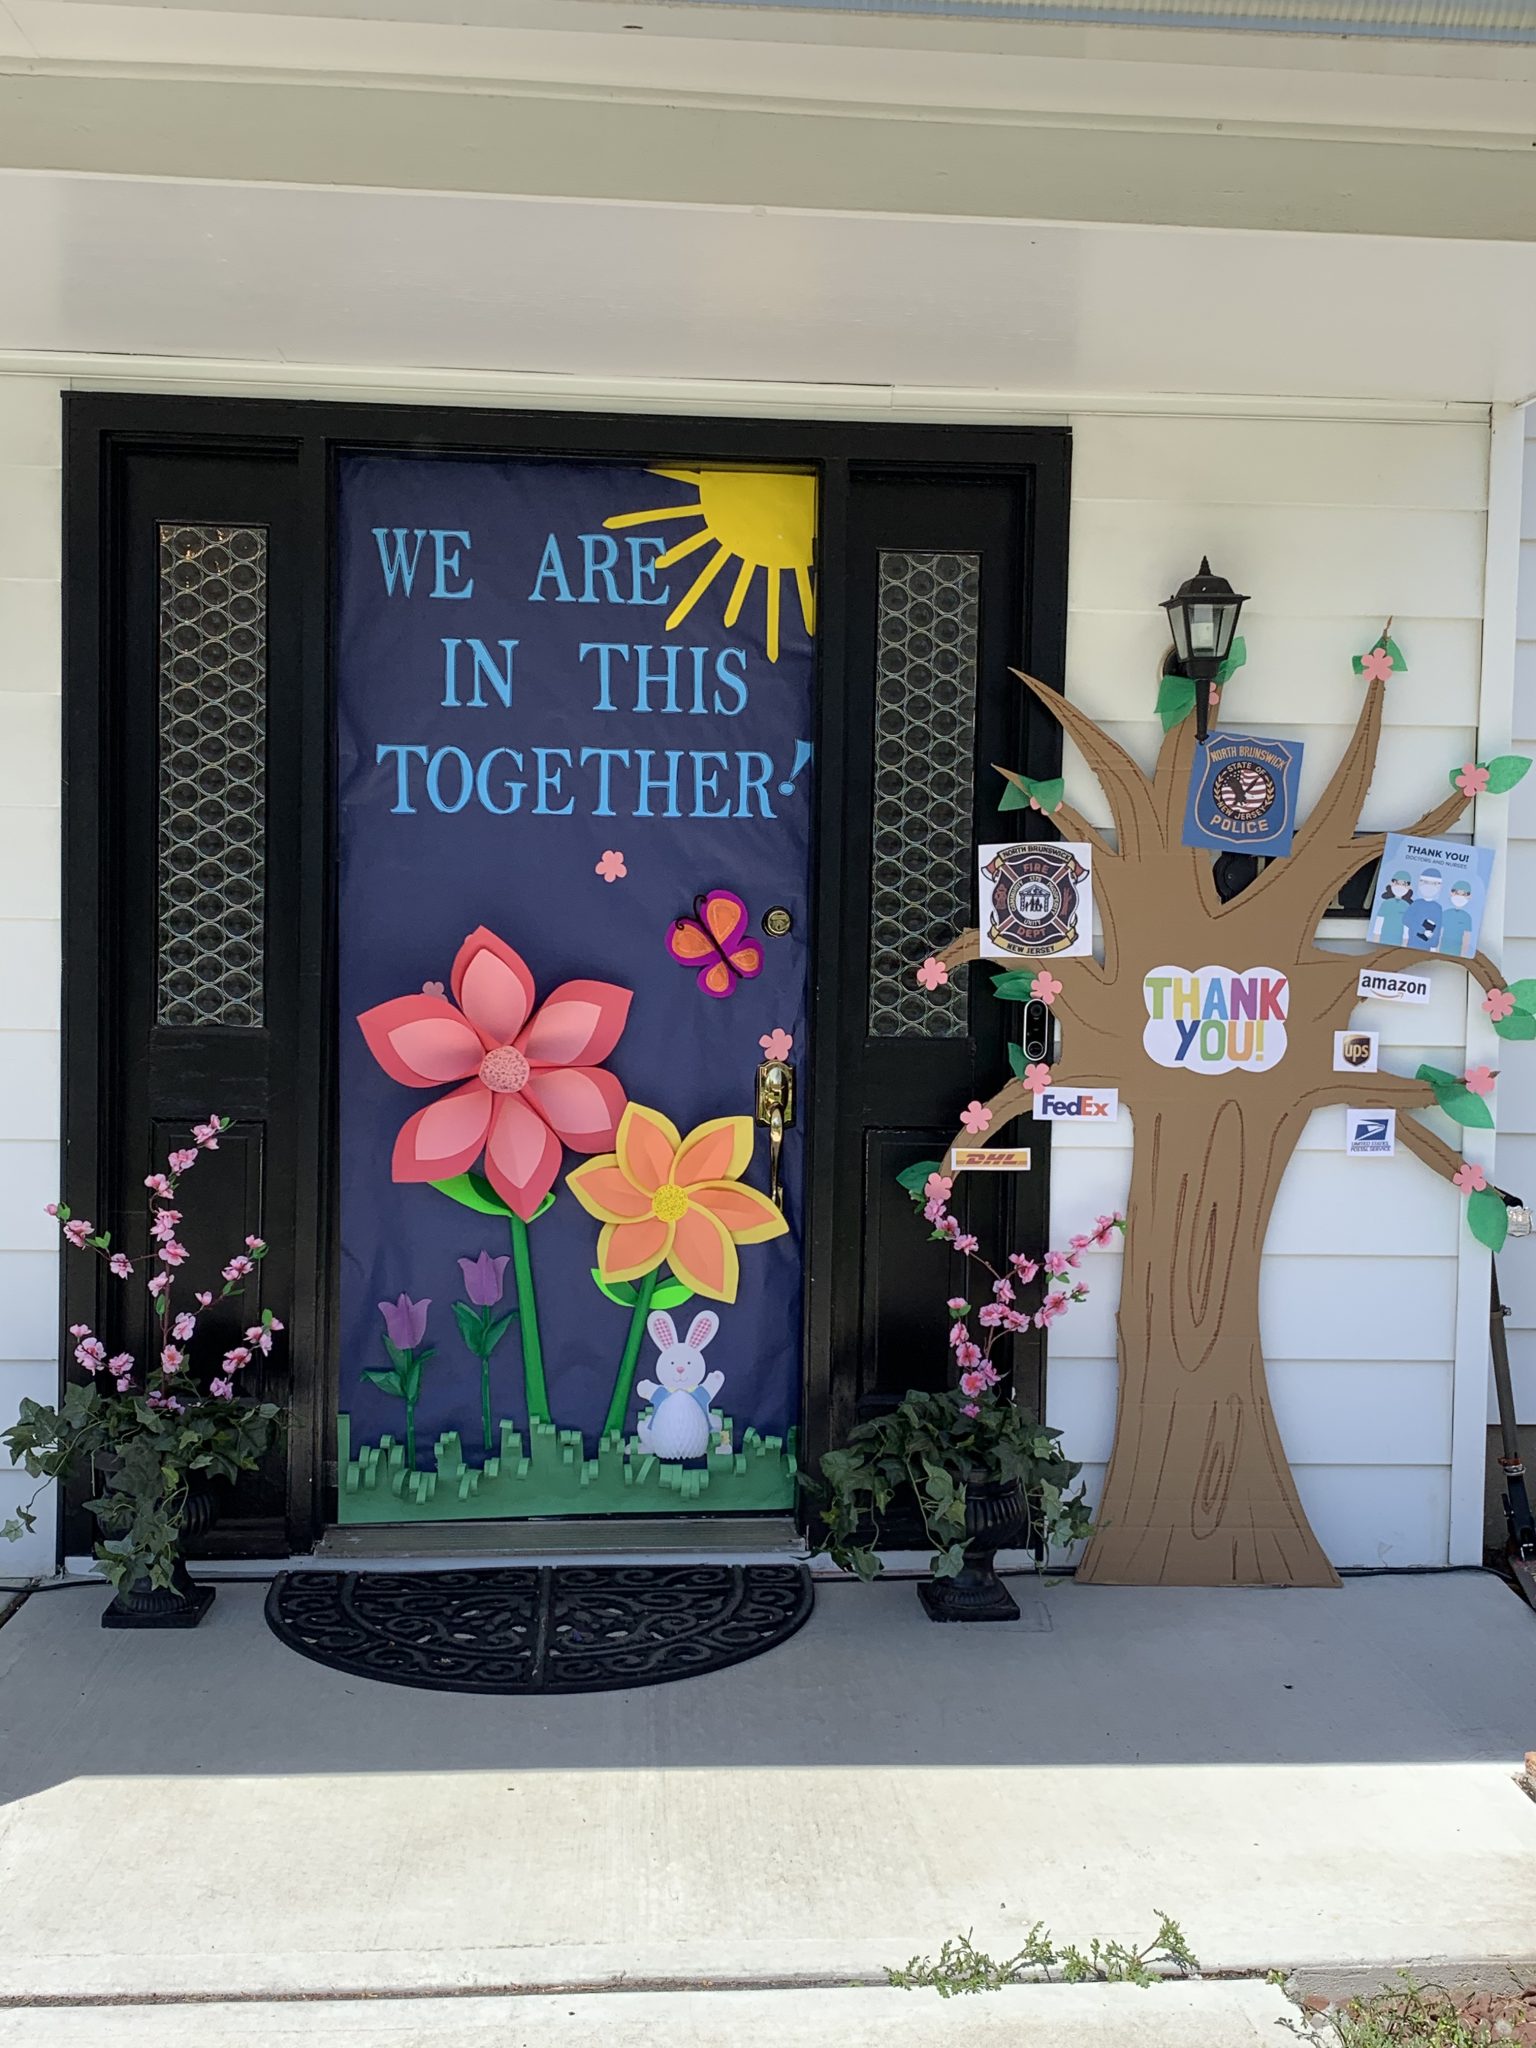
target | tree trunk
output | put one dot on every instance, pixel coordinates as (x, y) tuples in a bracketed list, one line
[(1199, 1490)]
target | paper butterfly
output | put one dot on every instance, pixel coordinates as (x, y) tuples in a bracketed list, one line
[(715, 941)]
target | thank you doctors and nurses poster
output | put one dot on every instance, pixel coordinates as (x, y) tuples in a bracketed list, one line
[(574, 780)]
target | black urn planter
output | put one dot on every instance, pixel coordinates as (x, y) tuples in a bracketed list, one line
[(996, 1516), (181, 1604)]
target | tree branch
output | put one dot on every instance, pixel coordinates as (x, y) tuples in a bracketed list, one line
[(1069, 823), (1434, 1152), (1122, 779)]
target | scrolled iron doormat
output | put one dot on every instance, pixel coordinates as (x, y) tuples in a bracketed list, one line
[(544, 1629)]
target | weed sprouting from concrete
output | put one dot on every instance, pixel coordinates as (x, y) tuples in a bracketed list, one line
[(960, 1966)]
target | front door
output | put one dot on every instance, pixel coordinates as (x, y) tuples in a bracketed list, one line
[(575, 792), (465, 804)]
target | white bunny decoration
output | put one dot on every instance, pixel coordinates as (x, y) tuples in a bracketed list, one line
[(681, 1394)]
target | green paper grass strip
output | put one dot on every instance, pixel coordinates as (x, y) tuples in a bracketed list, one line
[(1487, 1218), (1457, 1100)]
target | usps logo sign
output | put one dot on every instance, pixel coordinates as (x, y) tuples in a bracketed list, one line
[(1370, 1133), (1077, 1106)]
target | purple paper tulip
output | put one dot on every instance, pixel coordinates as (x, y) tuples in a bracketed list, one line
[(483, 1278), (405, 1321)]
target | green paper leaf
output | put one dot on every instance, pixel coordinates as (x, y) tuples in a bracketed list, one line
[(671, 1294), (1049, 794), (1017, 1061), (1013, 798), (1488, 1219), (390, 1382), (547, 1203), (396, 1355), (668, 1293), (1518, 1024), (475, 1192), (1234, 661), (1524, 993), (471, 1325), (1014, 986), (1175, 700), (1457, 1100), (1505, 770), (620, 1291), (1437, 1078), (1399, 666), (498, 1330), (915, 1178)]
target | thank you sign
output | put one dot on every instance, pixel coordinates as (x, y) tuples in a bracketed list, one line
[(1212, 1020)]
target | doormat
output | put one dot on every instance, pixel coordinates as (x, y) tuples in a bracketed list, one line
[(550, 1628)]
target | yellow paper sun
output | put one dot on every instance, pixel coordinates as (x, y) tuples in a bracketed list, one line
[(756, 519)]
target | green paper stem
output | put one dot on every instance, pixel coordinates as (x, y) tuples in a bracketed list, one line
[(618, 1407), (534, 1388), (485, 1394)]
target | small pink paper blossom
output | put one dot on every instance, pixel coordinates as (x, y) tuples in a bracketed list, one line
[(159, 1284), (172, 1253), (976, 1117), (1377, 665), (163, 1229), (973, 1383), (1037, 1077), (1056, 1264), (967, 1244), (1469, 1178), (1471, 779), (238, 1267), (184, 1327), (1480, 1080), (78, 1232), (932, 1211), (172, 1358), (207, 1135), (611, 867), (967, 1355), (1053, 1306), (91, 1352), (1499, 1003), (1046, 987), (221, 1390), (932, 974), (991, 1314), (955, 1305), (1025, 1268), (1002, 1290), (158, 1185), (938, 1187), (1015, 1320), (183, 1162), (776, 1044), (121, 1265)]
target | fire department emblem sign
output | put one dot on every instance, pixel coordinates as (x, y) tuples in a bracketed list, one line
[(1036, 900)]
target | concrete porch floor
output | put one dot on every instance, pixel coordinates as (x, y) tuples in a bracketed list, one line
[(1310, 1780)]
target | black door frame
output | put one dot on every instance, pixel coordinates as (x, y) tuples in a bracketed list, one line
[(102, 430)]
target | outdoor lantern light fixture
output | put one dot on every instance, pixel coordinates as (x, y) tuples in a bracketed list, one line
[(1203, 614)]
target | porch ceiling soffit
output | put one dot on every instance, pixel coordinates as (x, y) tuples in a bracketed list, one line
[(935, 163)]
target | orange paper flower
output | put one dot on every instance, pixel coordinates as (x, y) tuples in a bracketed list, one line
[(661, 1197)]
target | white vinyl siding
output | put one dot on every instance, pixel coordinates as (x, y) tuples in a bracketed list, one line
[(1332, 526)]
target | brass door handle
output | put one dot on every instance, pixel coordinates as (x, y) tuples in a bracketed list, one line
[(773, 1106)]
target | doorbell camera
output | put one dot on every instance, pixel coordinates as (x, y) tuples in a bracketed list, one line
[(1037, 1032)]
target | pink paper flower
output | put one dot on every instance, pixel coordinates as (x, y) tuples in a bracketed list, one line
[(932, 974), (91, 1353), (163, 1229), (172, 1254), (1499, 1003), (238, 1268), (78, 1232), (1469, 1178), (955, 1305), (1046, 987), (121, 1265), (221, 1390), (172, 1358), (1480, 1080), (938, 1187), (1377, 665), (991, 1314), (184, 1327), (975, 1117), (1037, 1076), (967, 1355), (183, 1162), (1024, 1268), (1056, 1264), (973, 1383), (1002, 1290), (934, 1210), (611, 867), (158, 1185), (776, 1044), (207, 1135), (530, 1078), (1471, 780), (159, 1284), (966, 1244)]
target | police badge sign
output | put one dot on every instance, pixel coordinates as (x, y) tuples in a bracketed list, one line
[(1036, 901), (1242, 794)]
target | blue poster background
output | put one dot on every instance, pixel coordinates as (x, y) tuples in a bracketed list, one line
[(458, 809)]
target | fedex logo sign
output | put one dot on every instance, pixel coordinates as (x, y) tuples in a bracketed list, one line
[(1077, 1103)]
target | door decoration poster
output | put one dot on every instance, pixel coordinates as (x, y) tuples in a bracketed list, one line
[(1429, 895), (574, 715), (1242, 795), (1036, 900)]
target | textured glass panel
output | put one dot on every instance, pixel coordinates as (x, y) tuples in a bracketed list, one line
[(925, 737), (211, 882)]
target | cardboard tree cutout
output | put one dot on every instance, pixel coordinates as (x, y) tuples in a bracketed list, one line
[(1199, 1491)]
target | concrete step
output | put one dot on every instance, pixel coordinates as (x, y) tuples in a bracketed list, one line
[(1238, 2014)]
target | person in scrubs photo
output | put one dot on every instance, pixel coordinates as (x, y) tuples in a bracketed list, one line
[(1390, 924)]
